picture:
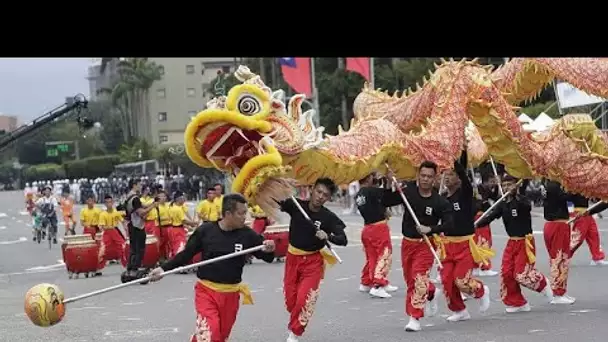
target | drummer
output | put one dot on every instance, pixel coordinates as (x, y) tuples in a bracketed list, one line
[(89, 217), (164, 222), (112, 239), (207, 210)]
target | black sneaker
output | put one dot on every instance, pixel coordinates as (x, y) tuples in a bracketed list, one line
[(55, 241)]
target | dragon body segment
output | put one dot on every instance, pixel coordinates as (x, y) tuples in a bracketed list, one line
[(253, 134)]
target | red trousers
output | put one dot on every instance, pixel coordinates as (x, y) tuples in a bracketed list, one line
[(303, 274), (259, 225), (456, 275), (378, 249), (112, 243), (518, 269), (91, 230), (417, 261), (176, 240), (215, 313), (585, 229), (557, 240), (483, 238), (151, 227), (164, 246)]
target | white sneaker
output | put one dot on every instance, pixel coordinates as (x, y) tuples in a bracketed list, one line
[(488, 273), (431, 305), (484, 301), (292, 337), (571, 298), (390, 288), (548, 293), (514, 309), (413, 325), (599, 263), (459, 316), (379, 292), (464, 296), (364, 288), (476, 272), (563, 300)]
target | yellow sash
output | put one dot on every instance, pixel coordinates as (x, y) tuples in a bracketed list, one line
[(580, 210), (479, 254), (325, 254), (529, 247), (240, 287)]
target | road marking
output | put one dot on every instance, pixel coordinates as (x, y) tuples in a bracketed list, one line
[(21, 239), (343, 279), (3, 215), (139, 333), (178, 299), (24, 213), (19, 221), (59, 263), (2, 227), (87, 308), (583, 311), (30, 272), (535, 331), (133, 303)]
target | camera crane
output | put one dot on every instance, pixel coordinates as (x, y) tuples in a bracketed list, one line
[(78, 103)]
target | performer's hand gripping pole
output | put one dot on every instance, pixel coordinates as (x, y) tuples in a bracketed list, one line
[(496, 175), (308, 218), (413, 214), (584, 213), (177, 270), (502, 198)]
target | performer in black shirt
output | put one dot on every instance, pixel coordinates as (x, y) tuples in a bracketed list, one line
[(435, 216), (584, 228), (306, 256), (219, 287), (372, 203), (460, 253), (135, 214), (486, 194), (557, 239), (519, 257)]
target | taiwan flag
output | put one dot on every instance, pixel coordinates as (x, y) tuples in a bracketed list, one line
[(296, 72), (360, 65)]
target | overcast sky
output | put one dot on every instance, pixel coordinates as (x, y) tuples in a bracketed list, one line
[(29, 87)]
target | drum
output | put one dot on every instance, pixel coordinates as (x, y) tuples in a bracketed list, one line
[(80, 255), (151, 255), (279, 233)]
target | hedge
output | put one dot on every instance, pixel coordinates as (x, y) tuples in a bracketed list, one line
[(44, 172), (92, 167)]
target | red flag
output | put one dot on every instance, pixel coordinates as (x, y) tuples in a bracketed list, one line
[(360, 65), (296, 72)]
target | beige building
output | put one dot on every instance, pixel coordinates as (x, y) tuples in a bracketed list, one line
[(8, 123), (178, 96), (181, 94)]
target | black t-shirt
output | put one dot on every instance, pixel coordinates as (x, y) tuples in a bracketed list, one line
[(579, 201), (302, 232), (462, 202), (555, 205), (210, 240), (132, 204), (433, 211), (372, 202), (515, 214)]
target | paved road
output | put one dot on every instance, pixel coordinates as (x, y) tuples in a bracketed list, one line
[(164, 311)]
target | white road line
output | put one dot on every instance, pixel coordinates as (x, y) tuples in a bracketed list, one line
[(2, 227), (343, 279), (24, 213), (139, 333), (87, 308), (176, 299), (133, 303), (19, 221), (38, 268), (3, 215), (21, 239), (30, 272)]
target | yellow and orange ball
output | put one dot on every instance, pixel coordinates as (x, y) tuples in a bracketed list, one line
[(44, 305)]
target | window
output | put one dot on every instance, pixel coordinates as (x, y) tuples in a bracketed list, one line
[(192, 114), (189, 69), (161, 70), (162, 116), (160, 93), (163, 139), (191, 92), (226, 69)]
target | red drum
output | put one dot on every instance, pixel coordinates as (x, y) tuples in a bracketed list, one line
[(279, 233), (80, 255), (151, 255)]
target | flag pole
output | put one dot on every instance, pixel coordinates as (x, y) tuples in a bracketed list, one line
[(372, 78), (315, 93)]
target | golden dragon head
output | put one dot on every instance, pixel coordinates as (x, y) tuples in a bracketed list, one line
[(248, 133)]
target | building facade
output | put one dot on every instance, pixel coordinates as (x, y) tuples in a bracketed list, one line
[(8, 123), (181, 93)]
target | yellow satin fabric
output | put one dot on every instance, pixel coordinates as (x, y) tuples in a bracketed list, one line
[(231, 288), (529, 246), (479, 254)]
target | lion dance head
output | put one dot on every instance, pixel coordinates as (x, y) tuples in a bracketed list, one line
[(251, 133)]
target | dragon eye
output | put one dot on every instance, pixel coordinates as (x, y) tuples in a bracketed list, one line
[(248, 105)]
